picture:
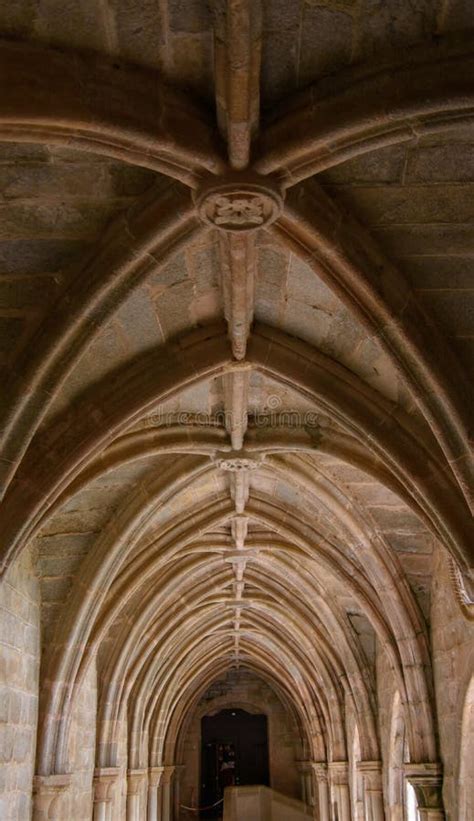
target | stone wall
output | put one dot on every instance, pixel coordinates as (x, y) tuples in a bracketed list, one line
[(19, 672), (452, 642), (120, 794), (244, 690), (82, 747), (392, 735), (453, 660)]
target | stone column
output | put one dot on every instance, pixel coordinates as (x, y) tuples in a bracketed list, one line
[(154, 794), (166, 793), (306, 774), (427, 781), (135, 783), (50, 797), (105, 779), (178, 773), (320, 771), (373, 789), (339, 781), (300, 766)]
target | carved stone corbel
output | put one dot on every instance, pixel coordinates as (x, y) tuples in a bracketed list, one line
[(427, 781), (50, 796)]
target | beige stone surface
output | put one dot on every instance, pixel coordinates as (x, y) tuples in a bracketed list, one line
[(453, 659), (236, 352), (19, 685)]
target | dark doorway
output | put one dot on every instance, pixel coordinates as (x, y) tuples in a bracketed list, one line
[(234, 751)]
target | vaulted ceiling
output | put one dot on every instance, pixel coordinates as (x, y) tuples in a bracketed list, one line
[(236, 331)]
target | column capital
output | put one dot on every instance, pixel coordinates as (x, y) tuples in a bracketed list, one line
[(47, 790), (104, 780), (372, 774), (304, 766), (107, 773), (154, 776), (52, 783), (168, 771), (339, 772), (427, 781), (320, 770), (135, 779)]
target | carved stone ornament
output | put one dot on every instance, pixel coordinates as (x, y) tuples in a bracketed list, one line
[(235, 465), (239, 205)]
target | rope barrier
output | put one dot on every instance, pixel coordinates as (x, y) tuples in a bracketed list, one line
[(202, 809)]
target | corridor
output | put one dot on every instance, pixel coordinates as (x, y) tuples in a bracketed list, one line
[(236, 466)]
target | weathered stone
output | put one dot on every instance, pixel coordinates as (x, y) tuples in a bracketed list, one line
[(235, 469), (318, 24)]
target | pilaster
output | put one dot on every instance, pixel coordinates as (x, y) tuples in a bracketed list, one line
[(50, 793), (105, 779), (320, 773), (136, 780), (339, 781), (154, 793), (427, 781), (168, 772), (373, 789), (306, 775)]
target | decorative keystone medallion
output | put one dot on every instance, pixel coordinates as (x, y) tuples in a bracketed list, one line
[(239, 205), (236, 464)]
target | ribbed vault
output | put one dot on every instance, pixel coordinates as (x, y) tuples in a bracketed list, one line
[(253, 476)]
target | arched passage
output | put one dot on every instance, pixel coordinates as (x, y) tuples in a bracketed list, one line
[(236, 416)]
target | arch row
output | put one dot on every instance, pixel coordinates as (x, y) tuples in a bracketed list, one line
[(406, 454), (76, 635)]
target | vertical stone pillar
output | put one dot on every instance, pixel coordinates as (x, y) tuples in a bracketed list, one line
[(427, 781), (306, 775), (136, 780), (309, 786), (178, 774), (154, 794), (339, 781), (320, 771), (50, 796), (373, 789), (104, 782), (300, 766), (166, 793)]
